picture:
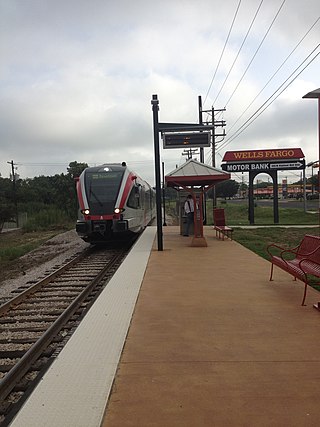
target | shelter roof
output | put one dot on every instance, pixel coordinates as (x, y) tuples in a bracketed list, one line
[(313, 94), (196, 174)]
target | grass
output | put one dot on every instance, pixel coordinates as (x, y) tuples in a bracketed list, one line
[(257, 239), (38, 228), (237, 214), (16, 243)]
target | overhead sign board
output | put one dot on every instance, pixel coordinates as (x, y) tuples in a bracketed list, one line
[(259, 155), (263, 166), (186, 140)]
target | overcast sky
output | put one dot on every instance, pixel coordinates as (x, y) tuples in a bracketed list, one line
[(77, 78)]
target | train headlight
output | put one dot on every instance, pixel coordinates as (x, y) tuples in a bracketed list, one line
[(118, 210), (85, 211)]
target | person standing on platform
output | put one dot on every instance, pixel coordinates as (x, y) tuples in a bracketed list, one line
[(189, 211)]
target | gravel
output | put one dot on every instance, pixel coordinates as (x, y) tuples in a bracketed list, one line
[(58, 249)]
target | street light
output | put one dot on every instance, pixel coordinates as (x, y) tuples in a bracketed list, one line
[(315, 94)]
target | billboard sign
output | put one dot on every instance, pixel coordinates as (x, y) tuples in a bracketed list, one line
[(263, 155)]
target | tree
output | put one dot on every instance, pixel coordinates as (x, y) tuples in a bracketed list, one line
[(41, 193), (75, 169), (6, 190), (7, 207), (7, 213), (227, 188)]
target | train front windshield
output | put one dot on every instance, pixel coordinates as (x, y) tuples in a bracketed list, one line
[(102, 190)]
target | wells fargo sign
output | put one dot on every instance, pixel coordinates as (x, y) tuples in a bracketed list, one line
[(263, 155)]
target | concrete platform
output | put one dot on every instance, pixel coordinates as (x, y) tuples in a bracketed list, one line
[(214, 343), (211, 343)]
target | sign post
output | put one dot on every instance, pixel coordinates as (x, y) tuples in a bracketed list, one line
[(190, 139), (155, 109)]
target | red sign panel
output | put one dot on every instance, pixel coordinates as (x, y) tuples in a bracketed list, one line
[(254, 155)]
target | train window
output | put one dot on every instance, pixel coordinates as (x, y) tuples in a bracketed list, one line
[(143, 197), (134, 198)]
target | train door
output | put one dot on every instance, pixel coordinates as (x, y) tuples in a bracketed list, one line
[(135, 202)]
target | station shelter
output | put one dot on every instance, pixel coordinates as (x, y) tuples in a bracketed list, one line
[(196, 179)]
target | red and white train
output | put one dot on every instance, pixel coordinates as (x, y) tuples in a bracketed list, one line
[(114, 203)]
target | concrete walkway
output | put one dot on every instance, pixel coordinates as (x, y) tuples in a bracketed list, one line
[(213, 343)]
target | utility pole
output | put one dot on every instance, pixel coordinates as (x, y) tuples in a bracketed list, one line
[(214, 135), (216, 123), (14, 191), (200, 123), (189, 153)]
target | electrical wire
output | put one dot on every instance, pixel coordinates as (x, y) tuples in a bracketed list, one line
[(275, 73), (256, 52), (224, 47), (243, 42), (254, 116)]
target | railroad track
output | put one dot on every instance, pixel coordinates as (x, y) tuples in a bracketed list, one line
[(36, 323)]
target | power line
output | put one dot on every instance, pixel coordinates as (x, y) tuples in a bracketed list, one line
[(256, 52), (41, 164), (254, 116), (275, 73), (224, 47), (243, 42)]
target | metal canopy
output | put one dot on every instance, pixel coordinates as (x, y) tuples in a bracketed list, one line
[(195, 174)]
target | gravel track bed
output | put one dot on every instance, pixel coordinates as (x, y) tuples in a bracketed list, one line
[(31, 325), (19, 335)]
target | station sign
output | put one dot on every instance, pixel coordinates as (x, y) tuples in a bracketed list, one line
[(186, 140), (263, 166), (266, 155)]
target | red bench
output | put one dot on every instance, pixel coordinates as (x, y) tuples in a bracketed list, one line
[(302, 262), (220, 224)]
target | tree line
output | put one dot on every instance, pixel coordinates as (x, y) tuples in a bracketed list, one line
[(44, 199)]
